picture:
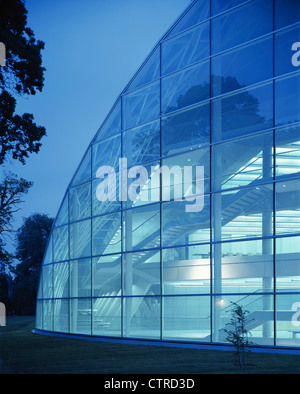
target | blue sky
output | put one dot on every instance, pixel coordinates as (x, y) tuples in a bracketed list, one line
[(92, 49)]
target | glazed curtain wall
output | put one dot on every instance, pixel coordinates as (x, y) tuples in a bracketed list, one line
[(218, 91)]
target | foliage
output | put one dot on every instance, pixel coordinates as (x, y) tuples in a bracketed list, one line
[(22, 74), (32, 238), (237, 332)]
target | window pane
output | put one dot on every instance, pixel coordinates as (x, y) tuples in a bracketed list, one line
[(185, 228), (141, 228), (287, 264), (84, 171), (287, 320), (218, 6), (63, 214), (80, 316), (141, 317), (105, 195), (243, 267), (61, 315), (112, 125), (48, 315), (107, 234), (286, 12), (80, 202), (107, 276), (287, 151), (250, 21), (243, 213), (80, 239), (242, 113), (60, 243), (186, 130), (141, 105), (244, 66), (186, 49), (259, 320), (142, 144), (149, 72), (186, 270), (80, 278), (185, 88), (47, 281), (141, 273), (243, 162), (61, 280), (287, 201), (196, 14), (107, 316), (107, 153), (287, 100), (283, 50)]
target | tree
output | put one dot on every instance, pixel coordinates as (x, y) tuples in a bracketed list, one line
[(22, 74), (237, 332), (32, 238)]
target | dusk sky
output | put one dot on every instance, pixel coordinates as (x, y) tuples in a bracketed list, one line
[(92, 50)]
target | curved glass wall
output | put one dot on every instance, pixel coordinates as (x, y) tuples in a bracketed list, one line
[(141, 252)]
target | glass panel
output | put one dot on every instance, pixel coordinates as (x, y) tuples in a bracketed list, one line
[(185, 228), (80, 202), (48, 315), (243, 162), (243, 267), (48, 256), (141, 106), (287, 264), (186, 318), (141, 317), (80, 239), (259, 320), (61, 315), (242, 113), (287, 151), (143, 185), (218, 6), (107, 234), (83, 173), (105, 194), (60, 243), (141, 273), (141, 228), (80, 316), (61, 280), (287, 202), (186, 49), (186, 130), (39, 315), (80, 278), (107, 276), (186, 176), (142, 144), (250, 21), (286, 12), (185, 88), (244, 66), (107, 316), (107, 153), (243, 213), (47, 280), (196, 14), (287, 100), (186, 270), (63, 214), (283, 50), (287, 320), (112, 124), (149, 72)]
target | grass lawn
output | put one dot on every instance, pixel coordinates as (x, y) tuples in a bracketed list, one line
[(23, 352)]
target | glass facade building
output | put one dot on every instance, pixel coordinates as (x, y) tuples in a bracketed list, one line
[(221, 92)]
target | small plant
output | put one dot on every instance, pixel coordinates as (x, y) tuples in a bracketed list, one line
[(237, 332)]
